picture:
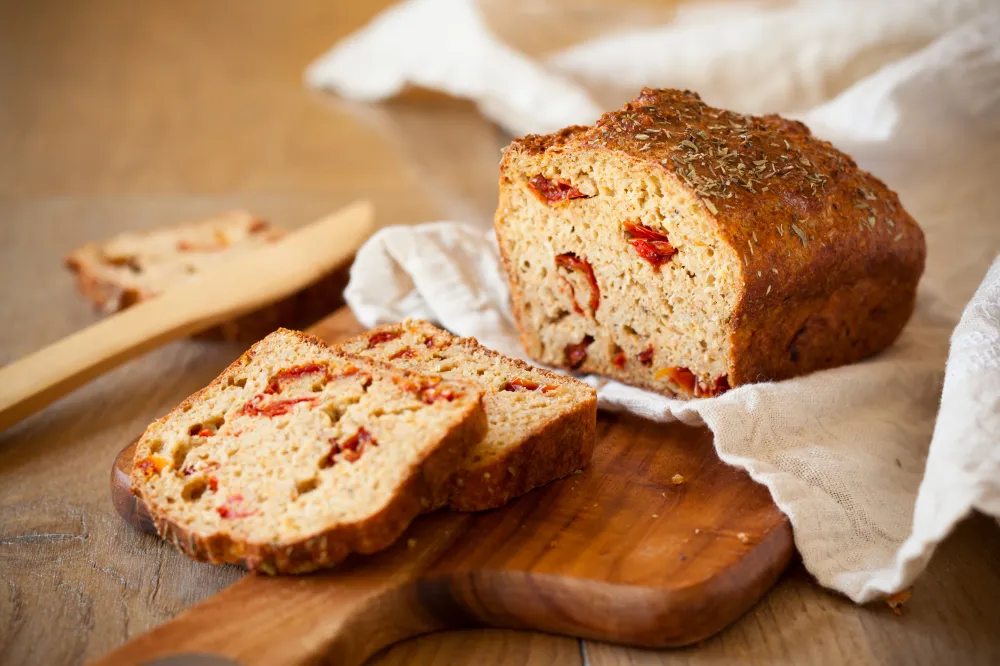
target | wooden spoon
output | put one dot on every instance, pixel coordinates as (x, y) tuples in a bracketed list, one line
[(236, 286)]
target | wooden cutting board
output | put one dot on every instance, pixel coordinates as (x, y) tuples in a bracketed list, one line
[(625, 552)]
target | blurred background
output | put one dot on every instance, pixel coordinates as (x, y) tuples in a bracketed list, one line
[(120, 115)]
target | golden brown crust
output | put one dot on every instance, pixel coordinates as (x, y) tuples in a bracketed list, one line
[(427, 487), (555, 449), (824, 246), (560, 447)]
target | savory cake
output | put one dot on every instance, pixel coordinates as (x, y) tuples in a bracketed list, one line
[(687, 249), (541, 426), (298, 454)]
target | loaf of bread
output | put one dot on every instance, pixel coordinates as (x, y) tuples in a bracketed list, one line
[(298, 454), (687, 249), (542, 426), (133, 267)]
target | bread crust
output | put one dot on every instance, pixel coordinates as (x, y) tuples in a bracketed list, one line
[(830, 260), (557, 448), (427, 486)]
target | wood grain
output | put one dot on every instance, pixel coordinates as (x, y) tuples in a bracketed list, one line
[(124, 115), (620, 552), (240, 285)]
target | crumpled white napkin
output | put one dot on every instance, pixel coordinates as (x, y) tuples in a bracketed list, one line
[(844, 452)]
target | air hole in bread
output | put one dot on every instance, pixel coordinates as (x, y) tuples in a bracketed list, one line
[(306, 486), (194, 489), (617, 356), (156, 446), (241, 382), (181, 453), (558, 316), (130, 262), (203, 429), (332, 411)]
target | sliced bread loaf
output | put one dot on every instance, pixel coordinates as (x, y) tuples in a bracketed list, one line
[(136, 266), (298, 454), (687, 249), (542, 426)]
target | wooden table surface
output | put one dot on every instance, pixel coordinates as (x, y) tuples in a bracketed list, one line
[(118, 114)]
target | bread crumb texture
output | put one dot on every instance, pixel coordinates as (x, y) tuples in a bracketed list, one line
[(298, 454), (541, 425)]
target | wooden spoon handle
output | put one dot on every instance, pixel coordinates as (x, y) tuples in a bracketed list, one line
[(236, 286)]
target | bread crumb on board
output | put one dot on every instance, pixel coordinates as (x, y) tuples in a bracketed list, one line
[(677, 479), (896, 601)]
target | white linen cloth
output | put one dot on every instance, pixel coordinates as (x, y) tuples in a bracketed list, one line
[(872, 463)]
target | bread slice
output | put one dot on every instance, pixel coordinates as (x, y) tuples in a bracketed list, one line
[(687, 249), (135, 266), (542, 426), (298, 454)]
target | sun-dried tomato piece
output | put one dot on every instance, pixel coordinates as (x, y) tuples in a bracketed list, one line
[(619, 360), (255, 406), (405, 352), (234, 508), (429, 343), (152, 466), (570, 261), (519, 384), (655, 252), (646, 357), (351, 448), (258, 226), (718, 386), (554, 191), (567, 286), (651, 245), (432, 394), (382, 336), (637, 230), (576, 354), (680, 376), (219, 242), (291, 374), (213, 483), (359, 440), (204, 432), (428, 390)]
